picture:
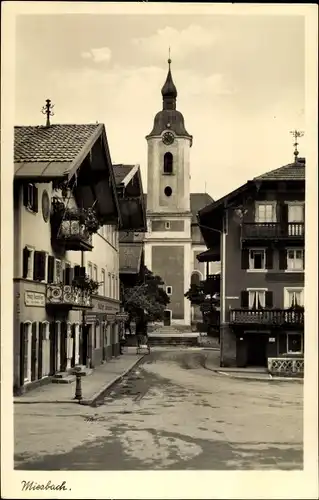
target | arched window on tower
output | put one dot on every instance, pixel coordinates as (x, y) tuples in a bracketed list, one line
[(168, 163)]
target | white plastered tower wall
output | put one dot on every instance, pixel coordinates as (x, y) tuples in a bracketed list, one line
[(168, 243)]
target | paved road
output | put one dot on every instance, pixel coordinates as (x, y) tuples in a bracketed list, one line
[(170, 413)]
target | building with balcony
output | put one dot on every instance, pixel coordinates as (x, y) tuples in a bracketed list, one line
[(67, 216), (257, 232)]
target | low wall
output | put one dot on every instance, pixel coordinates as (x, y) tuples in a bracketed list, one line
[(286, 367)]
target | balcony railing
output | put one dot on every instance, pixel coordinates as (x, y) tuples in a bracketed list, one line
[(272, 230), (275, 317), (68, 296), (74, 235)]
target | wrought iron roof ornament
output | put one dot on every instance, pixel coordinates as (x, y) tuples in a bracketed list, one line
[(47, 110), (296, 134)]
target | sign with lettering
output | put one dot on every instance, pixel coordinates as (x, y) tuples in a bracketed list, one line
[(35, 299), (122, 316)]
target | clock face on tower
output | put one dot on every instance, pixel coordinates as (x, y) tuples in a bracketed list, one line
[(168, 138)]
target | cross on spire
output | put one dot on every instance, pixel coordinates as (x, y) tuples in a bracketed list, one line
[(47, 110), (169, 56), (296, 135)]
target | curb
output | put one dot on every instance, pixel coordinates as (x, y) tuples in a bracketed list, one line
[(260, 379), (109, 385)]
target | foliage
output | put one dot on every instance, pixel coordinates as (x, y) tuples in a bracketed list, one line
[(206, 303), (147, 295), (86, 283), (85, 216)]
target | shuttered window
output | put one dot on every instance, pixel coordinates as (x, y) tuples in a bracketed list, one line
[(51, 264), (30, 197), (39, 265)]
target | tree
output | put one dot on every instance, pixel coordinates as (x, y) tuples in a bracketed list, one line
[(208, 304), (146, 298)]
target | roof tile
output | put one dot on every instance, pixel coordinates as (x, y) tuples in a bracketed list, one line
[(55, 143), (292, 171)]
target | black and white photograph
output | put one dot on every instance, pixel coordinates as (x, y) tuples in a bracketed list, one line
[(158, 217)]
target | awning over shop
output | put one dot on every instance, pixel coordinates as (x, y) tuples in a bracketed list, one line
[(211, 255)]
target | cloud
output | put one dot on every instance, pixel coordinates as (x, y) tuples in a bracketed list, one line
[(102, 54), (182, 42)]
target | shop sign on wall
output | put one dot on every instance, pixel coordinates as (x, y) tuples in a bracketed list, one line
[(35, 299)]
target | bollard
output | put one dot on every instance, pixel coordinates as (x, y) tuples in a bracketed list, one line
[(78, 387)]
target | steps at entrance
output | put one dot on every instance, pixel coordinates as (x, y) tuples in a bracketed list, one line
[(169, 335), (63, 378)]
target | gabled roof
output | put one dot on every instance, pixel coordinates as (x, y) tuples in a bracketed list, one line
[(292, 171), (121, 171), (199, 201), (52, 151)]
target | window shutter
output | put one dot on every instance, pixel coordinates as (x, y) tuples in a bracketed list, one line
[(67, 276), (25, 195), (50, 269), (36, 265), (41, 266), (82, 272), (244, 299), (26, 254), (35, 199), (284, 215), (245, 258), (283, 258), (40, 351), (22, 352), (269, 258), (269, 300), (33, 351), (77, 271)]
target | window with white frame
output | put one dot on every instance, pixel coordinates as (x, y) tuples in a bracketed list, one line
[(256, 299), (58, 271), (169, 290), (27, 264), (257, 259), (295, 212), (113, 287), (265, 212), (294, 343), (167, 225), (294, 297), (90, 270), (295, 259), (27, 351), (94, 276), (102, 282), (109, 285)]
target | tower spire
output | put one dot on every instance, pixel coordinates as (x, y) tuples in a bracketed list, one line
[(296, 134), (169, 91)]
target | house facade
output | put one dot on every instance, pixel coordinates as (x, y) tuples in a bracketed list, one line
[(67, 217), (257, 232), (173, 238)]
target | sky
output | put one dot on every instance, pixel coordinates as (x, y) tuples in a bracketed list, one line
[(240, 82)]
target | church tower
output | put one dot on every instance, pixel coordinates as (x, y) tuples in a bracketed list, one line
[(168, 240)]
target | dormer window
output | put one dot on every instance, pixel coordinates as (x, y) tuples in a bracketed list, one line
[(168, 163)]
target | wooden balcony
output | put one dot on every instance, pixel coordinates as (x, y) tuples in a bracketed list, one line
[(252, 231), (267, 317), (68, 297), (69, 227)]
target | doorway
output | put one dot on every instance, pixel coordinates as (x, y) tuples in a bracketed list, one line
[(167, 317), (256, 349)]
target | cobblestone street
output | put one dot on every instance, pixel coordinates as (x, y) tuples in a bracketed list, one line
[(168, 413)]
